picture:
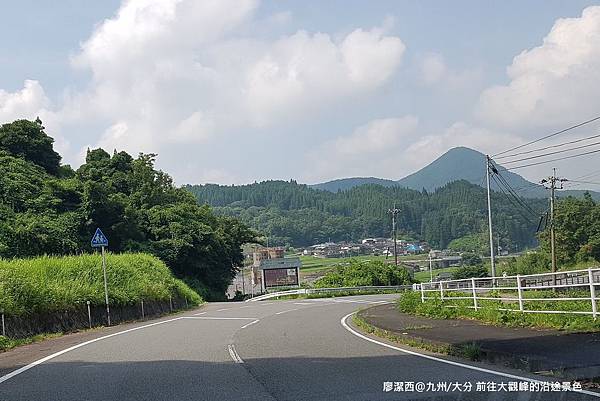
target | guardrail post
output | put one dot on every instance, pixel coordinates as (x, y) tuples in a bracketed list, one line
[(474, 293), (422, 293), (442, 290), (89, 314), (592, 293), (520, 292)]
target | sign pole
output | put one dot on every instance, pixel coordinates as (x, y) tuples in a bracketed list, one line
[(105, 286)]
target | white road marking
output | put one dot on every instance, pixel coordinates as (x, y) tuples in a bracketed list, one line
[(249, 324), (201, 313), (462, 365), (286, 311), (303, 303), (234, 355), (64, 351), (224, 309)]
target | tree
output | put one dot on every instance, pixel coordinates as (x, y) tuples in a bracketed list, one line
[(27, 140), (472, 271), (46, 208), (471, 259)]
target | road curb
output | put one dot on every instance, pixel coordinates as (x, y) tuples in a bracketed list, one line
[(474, 351)]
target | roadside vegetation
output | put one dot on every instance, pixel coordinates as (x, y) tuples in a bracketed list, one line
[(48, 284), (48, 208), (436, 308), (364, 273)]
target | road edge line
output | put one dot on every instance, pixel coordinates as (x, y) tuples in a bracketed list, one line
[(462, 365), (74, 347)]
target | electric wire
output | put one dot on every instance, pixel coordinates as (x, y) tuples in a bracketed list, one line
[(552, 153), (549, 147), (549, 136), (510, 199), (553, 160)]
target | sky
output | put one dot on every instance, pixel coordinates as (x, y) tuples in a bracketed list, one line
[(238, 91)]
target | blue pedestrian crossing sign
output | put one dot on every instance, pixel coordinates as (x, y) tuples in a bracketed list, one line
[(99, 239)]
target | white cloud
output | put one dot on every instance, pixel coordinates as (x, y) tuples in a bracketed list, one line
[(552, 85), (370, 150), (433, 68), (31, 102), (181, 71), (25, 103)]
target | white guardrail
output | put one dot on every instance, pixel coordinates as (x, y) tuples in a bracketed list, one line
[(520, 289), (308, 291)]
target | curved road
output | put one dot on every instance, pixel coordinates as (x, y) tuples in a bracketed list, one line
[(280, 350)]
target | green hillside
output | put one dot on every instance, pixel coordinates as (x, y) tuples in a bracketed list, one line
[(295, 214)]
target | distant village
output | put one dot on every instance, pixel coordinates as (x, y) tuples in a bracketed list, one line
[(367, 246)]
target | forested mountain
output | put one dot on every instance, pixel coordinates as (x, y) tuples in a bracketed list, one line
[(47, 208), (343, 184), (459, 163), (295, 214)]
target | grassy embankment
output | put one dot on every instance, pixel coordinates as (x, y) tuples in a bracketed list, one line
[(410, 302), (48, 284)]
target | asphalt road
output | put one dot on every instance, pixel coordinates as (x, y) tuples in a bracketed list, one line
[(280, 350)]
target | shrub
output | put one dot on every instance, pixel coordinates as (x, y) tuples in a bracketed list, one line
[(530, 263), (469, 271), (364, 273), (59, 283)]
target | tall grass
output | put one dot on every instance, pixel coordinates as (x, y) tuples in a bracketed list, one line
[(488, 312), (59, 283)]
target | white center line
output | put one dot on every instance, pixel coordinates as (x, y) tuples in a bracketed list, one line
[(249, 324), (201, 313), (224, 309), (286, 311)]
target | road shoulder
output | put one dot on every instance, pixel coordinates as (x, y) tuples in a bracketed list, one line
[(547, 352)]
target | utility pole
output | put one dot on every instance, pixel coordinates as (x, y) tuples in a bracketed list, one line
[(394, 212), (552, 181), (243, 280), (488, 167)]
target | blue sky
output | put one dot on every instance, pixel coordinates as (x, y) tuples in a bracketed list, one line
[(238, 91)]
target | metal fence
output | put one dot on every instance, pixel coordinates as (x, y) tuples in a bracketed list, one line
[(523, 290), (82, 316), (333, 290)]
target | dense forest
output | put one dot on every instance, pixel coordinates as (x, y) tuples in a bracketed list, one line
[(577, 227), (297, 215), (48, 208)]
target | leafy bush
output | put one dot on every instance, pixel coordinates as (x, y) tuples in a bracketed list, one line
[(471, 259), (364, 273), (469, 271), (488, 312), (59, 283), (530, 263)]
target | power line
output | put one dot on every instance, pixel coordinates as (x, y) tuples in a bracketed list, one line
[(513, 191), (553, 160), (585, 182), (552, 153), (516, 196), (518, 208), (549, 147), (548, 136)]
